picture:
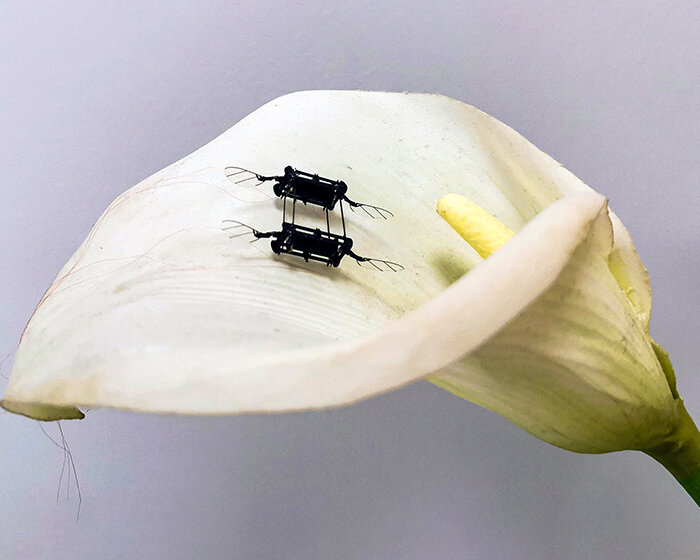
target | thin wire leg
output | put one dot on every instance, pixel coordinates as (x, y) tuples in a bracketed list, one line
[(381, 212), (237, 225), (342, 218), (392, 266)]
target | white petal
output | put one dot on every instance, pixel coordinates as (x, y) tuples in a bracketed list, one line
[(159, 310)]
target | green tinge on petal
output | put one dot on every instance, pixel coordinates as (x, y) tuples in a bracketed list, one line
[(666, 366), (629, 271), (43, 412)]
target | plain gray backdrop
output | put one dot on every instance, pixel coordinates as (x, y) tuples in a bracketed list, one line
[(95, 96)]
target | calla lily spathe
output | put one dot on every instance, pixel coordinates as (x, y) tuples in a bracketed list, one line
[(160, 311)]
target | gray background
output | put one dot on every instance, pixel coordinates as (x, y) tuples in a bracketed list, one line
[(95, 96)]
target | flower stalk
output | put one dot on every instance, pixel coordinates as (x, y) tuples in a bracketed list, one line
[(680, 452)]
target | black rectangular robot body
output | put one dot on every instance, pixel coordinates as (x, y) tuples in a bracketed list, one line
[(311, 244), (309, 189)]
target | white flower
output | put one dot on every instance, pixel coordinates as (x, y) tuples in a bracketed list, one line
[(160, 311)]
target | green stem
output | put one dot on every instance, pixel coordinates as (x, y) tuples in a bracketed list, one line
[(692, 486), (680, 452)]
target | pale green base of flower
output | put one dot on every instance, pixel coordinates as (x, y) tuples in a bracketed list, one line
[(680, 453)]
